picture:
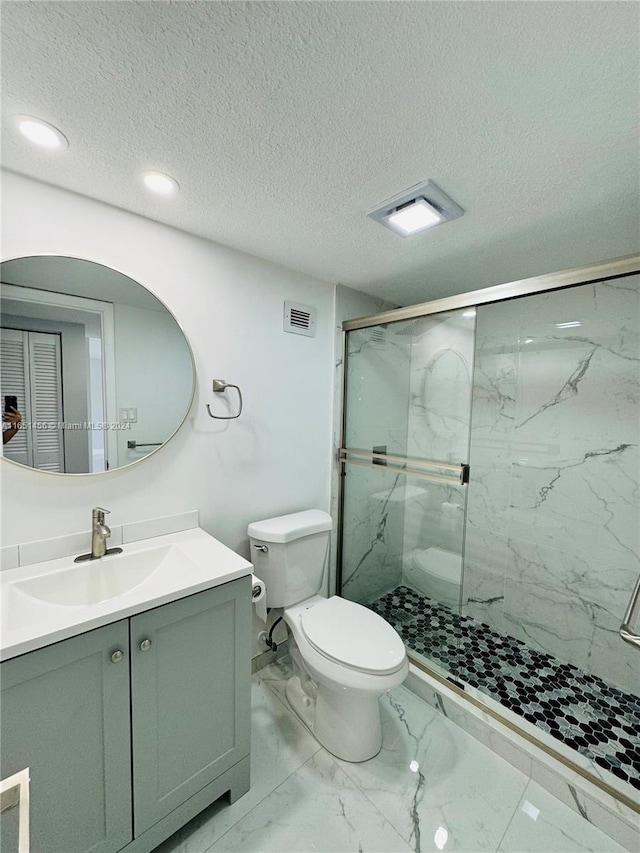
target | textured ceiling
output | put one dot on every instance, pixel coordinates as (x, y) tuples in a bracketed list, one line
[(285, 122)]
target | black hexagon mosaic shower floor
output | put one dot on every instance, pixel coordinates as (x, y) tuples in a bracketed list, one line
[(582, 711)]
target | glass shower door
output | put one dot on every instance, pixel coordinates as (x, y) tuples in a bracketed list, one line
[(553, 532), (404, 466), (547, 528)]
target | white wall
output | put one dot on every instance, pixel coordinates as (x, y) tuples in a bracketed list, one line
[(274, 459), (153, 375)]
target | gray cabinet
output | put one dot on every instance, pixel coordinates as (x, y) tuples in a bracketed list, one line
[(123, 750), (65, 715), (191, 706)]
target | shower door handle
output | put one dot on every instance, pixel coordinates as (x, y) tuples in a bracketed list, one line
[(626, 631)]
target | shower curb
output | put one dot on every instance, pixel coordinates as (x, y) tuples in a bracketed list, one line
[(617, 814)]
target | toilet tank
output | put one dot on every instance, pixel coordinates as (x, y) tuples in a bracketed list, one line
[(297, 545)]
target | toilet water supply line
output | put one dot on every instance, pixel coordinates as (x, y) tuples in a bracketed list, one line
[(268, 638)]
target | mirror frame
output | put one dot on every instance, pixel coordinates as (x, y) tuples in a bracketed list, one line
[(194, 376)]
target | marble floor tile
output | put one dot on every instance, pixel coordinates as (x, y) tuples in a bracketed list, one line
[(316, 808), (275, 677), (436, 784), (279, 746), (431, 787), (542, 824)]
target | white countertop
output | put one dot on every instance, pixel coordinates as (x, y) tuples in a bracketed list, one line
[(198, 562)]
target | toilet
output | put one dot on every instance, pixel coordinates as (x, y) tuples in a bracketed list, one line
[(344, 656), (435, 573)]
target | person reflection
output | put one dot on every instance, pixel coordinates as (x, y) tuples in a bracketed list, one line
[(13, 419)]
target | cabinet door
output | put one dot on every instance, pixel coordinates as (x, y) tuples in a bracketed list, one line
[(190, 681), (65, 716)]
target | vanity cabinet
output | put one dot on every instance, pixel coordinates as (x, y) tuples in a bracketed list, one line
[(131, 729), (190, 691), (64, 714)]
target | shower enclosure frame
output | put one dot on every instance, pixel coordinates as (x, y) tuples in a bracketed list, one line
[(612, 269)]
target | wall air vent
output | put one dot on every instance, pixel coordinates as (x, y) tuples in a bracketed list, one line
[(299, 319), (377, 336)]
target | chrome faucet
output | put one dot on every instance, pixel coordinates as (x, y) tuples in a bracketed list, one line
[(100, 532)]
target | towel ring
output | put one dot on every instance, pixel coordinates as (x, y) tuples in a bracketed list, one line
[(219, 385)]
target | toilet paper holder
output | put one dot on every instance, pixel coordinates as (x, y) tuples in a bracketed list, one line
[(259, 598)]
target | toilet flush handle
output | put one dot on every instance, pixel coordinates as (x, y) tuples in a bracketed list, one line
[(262, 548)]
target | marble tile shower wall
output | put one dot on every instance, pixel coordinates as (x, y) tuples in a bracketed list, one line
[(440, 381), (349, 304), (378, 382), (551, 553), (438, 429)]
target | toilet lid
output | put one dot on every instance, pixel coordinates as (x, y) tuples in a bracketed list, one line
[(350, 634)]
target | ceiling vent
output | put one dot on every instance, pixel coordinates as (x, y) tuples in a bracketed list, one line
[(300, 319), (416, 209)]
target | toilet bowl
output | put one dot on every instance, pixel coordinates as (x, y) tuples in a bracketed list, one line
[(435, 573), (344, 656)]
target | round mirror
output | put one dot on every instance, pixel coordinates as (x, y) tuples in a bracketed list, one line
[(95, 372), (445, 393)]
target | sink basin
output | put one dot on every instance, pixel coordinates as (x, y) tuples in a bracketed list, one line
[(90, 583), (44, 603)]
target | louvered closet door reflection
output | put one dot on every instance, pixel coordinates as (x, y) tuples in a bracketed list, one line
[(14, 366), (46, 401), (32, 370)]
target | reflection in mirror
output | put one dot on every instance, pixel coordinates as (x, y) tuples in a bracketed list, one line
[(446, 394), (96, 370)]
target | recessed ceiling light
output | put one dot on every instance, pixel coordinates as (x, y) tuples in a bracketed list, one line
[(470, 313), (41, 132), (160, 183), (416, 209), (415, 216), (570, 325)]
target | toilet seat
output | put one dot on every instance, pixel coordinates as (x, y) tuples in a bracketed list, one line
[(353, 636)]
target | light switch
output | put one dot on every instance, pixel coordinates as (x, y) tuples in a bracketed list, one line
[(129, 415)]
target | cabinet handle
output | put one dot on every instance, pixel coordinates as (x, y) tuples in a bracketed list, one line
[(117, 656), (145, 645)]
